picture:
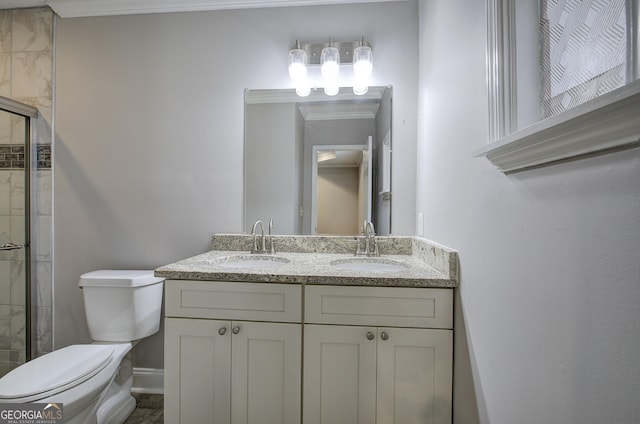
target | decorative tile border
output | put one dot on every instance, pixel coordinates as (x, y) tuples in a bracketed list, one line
[(12, 156), (44, 156)]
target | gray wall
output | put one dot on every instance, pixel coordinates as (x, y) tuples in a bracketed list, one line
[(271, 166), (149, 131), (547, 327), (382, 209)]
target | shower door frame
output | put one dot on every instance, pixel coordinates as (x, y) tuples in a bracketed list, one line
[(30, 114)]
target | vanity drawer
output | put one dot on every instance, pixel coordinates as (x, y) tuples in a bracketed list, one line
[(379, 306), (233, 300)]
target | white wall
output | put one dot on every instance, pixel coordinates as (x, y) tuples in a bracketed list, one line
[(149, 130), (547, 327)]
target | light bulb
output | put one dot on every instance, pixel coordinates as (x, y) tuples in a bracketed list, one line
[(330, 63), (362, 62), (297, 64), (360, 89), (331, 88), (303, 89)]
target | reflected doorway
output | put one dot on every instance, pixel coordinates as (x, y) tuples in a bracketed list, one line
[(341, 188)]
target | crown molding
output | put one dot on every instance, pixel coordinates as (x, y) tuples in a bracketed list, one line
[(319, 107), (82, 8)]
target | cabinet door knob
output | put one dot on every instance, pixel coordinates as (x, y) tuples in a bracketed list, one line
[(222, 331), (236, 329), (384, 336), (370, 336)]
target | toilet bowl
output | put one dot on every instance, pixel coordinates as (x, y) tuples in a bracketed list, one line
[(93, 381)]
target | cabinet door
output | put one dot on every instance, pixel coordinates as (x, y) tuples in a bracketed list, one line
[(265, 373), (339, 374), (197, 365), (414, 376)]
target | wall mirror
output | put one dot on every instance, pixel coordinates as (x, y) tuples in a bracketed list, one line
[(318, 164)]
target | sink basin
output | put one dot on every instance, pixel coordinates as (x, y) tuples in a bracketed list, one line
[(369, 264), (250, 261)]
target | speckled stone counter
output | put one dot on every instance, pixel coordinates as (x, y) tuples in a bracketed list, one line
[(416, 262)]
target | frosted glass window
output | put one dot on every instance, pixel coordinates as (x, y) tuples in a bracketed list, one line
[(557, 72), (583, 51)]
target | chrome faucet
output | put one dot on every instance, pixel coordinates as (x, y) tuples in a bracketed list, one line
[(254, 246), (370, 238), (262, 248), (370, 241)]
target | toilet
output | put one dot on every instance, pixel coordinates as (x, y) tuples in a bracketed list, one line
[(93, 381)]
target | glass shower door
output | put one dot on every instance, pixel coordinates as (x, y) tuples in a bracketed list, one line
[(14, 240)]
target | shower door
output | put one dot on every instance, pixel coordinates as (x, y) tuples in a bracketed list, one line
[(15, 272)]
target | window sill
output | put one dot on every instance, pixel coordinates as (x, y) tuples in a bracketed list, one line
[(607, 123)]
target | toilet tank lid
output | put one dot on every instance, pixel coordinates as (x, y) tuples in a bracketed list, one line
[(118, 278)]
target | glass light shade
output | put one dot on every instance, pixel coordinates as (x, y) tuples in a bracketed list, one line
[(303, 89), (362, 62), (297, 64), (330, 63), (360, 89), (331, 88)]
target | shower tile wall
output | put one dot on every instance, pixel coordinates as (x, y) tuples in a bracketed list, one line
[(26, 69)]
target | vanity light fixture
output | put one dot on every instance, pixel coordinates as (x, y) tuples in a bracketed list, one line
[(330, 56)]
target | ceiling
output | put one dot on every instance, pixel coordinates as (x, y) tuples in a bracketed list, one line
[(343, 159), (78, 8)]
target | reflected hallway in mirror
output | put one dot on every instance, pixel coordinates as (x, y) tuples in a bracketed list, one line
[(318, 164)]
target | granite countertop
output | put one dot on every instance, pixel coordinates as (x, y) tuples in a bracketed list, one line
[(404, 262)]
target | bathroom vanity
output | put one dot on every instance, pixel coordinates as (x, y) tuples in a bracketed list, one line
[(312, 334)]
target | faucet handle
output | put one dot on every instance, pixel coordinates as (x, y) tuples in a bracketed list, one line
[(272, 248), (359, 251), (376, 251)]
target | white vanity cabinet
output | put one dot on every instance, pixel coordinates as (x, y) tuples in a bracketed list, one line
[(232, 353), (377, 355)]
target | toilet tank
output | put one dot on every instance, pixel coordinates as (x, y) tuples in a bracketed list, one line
[(121, 305)]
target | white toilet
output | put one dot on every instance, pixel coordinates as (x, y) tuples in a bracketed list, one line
[(93, 381)]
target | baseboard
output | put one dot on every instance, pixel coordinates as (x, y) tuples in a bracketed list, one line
[(148, 380)]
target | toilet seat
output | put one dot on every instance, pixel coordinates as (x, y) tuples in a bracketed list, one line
[(54, 372)]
